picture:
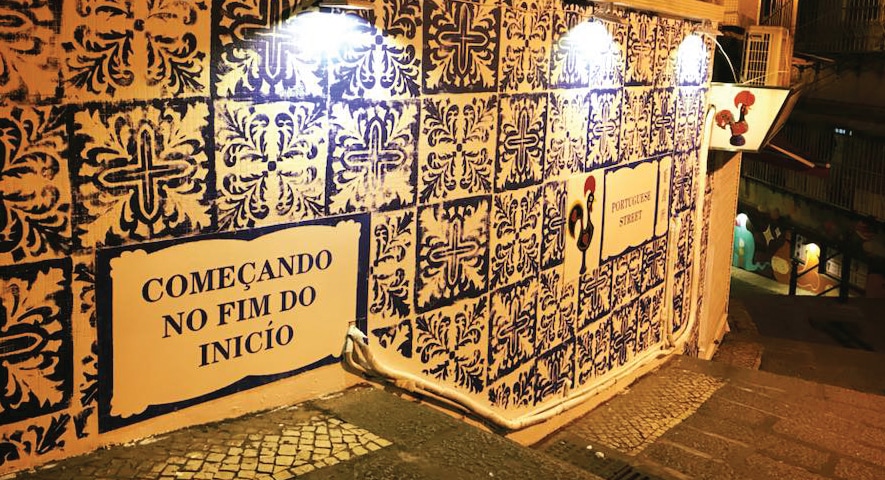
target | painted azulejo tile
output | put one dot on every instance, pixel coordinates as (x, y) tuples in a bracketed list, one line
[(128, 49), (516, 236), (35, 189), (553, 226), (35, 332), (623, 337), (453, 252), (461, 46), (567, 137), (392, 259), (592, 347), (626, 277), (452, 343), (669, 36), (690, 111), (525, 50), (648, 313), (263, 48), (636, 124), (29, 50), (515, 391), (654, 263), (380, 60), (457, 148), (555, 373), (685, 244), (83, 321), (684, 172), (270, 162), (141, 172), (512, 331), (569, 60), (641, 51), (372, 155), (608, 55), (521, 137), (681, 299), (692, 60), (39, 437), (604, 128), (557, 311), (595, 294), (663, 121)]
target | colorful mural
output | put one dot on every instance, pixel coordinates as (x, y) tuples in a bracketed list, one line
[(452, 132)]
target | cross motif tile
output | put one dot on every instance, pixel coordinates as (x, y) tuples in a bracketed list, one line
[(461, 51), (595, 294), (641, 49), (556, 373), (557, 311), (271, 162), (141, 172), (636, 124), (604, 129), (522, 128), (453, 252), (553, 226), (145, 50), (263, 49), (663, 121), (35, 189), (516, 236), (457, 148), (372, 156)]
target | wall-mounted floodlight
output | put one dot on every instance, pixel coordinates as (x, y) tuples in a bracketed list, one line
[(605, 12), (347, 4)]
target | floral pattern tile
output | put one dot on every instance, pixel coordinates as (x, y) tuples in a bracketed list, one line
[(451, 344), (557, 311), (453, 252), (522, 128), (372, 156), (29, 50), (515, 391), (457, 148), (141, 172), (124, 50), (391, 282), (516, 236), (555, 373), (35, 329), (379, 60), (512, 328), (271, 162), (461, 48), (663, 121), (569, 62), (35, 185)]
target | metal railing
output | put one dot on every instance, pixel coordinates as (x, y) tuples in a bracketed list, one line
[(852, 26), (855, 181), (780, 13)]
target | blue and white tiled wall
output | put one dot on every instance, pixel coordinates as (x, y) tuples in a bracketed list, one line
[(454, 124)]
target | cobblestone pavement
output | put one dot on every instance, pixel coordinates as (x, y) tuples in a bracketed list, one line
[(756, 425), (364, 433)]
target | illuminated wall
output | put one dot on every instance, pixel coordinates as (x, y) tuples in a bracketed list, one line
[(452, 133)]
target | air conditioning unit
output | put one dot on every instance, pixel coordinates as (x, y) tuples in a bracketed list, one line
[(768, 54)]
